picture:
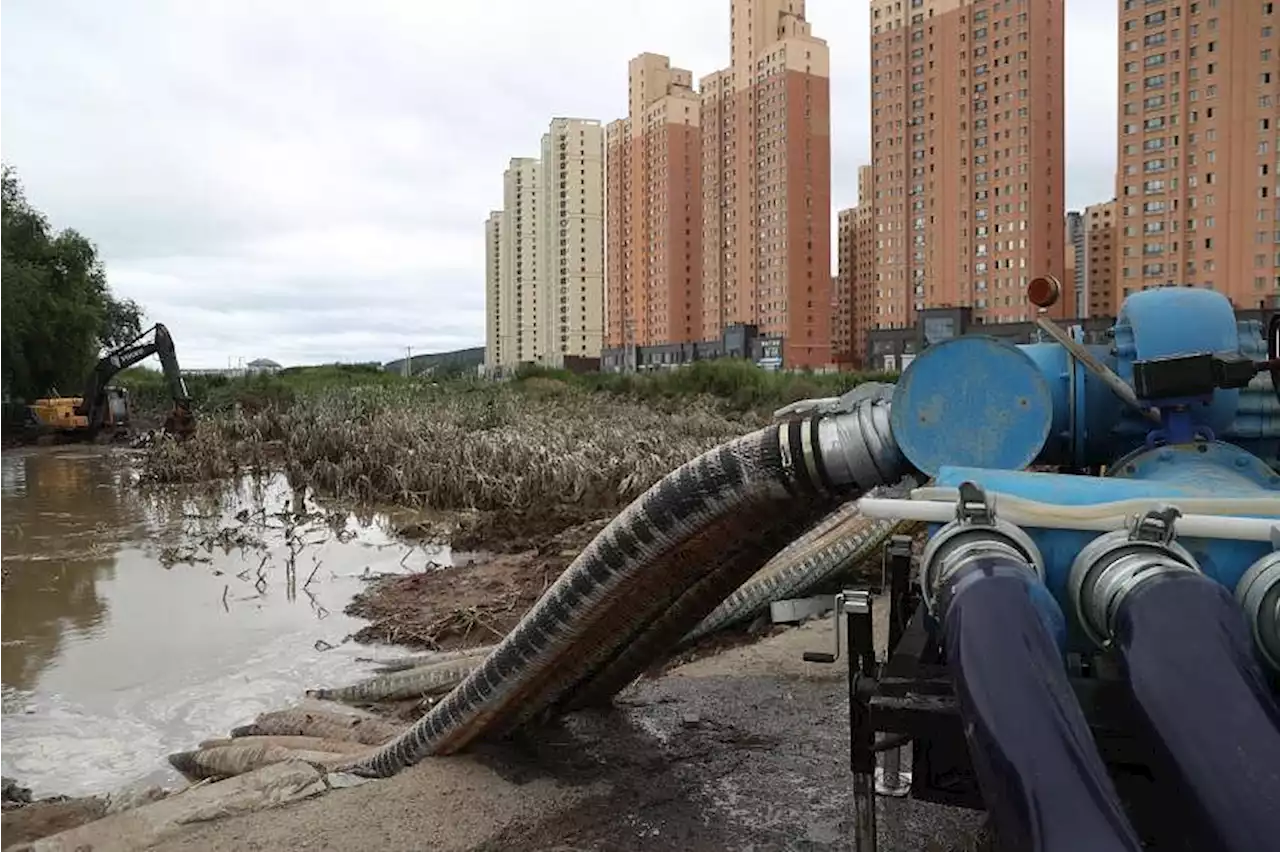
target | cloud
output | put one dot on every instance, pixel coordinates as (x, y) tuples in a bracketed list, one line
[(307, 180)]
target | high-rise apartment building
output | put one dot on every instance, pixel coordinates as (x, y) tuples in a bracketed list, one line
[(521, 224), (499, 305), (1199, 124), (572, 240), (842, 301), (967, 152), (544, 252), (864, 259), (843, 317), (1100, 260), (855, 265), (766, 182), (1074, 272), (654, 233)]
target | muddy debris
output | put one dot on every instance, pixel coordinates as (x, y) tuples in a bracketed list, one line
[(472, 605), (14, 793)]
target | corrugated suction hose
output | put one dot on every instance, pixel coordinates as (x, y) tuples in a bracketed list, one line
[(656, 570)]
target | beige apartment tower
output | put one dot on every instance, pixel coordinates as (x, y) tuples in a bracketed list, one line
[(521, 224), (498, 302), (1199, 129), (654, 238), (967, 148), (572, 244), (544, 252), (766, 183)]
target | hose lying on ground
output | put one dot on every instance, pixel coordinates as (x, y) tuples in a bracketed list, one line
[(298, 742), (322, 724), (227, 761), (719, 516), (432, 679), (384, 665)]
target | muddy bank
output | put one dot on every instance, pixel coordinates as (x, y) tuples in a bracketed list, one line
[(475, 603), (22, 824)]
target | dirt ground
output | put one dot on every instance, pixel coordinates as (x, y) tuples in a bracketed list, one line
[(42, 818), (744, 749)]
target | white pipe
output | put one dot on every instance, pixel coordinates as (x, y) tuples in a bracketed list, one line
[(1030, 513), (1253, 506)]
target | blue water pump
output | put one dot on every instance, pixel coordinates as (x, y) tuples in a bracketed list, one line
[(1101, 581)]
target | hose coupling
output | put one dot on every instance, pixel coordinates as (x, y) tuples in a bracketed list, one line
[(1109, 568), (1258, 593), (856, 446), (974, 535)]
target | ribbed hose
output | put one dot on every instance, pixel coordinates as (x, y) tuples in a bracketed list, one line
[(689, 587), (709, 593), (720, 515), (841, 540), (1191, 666), (1042, 779)]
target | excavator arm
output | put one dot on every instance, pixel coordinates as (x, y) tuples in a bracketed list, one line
[(154, 341)]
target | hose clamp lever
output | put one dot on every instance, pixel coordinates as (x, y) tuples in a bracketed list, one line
[(974, 507), (1156, 525)]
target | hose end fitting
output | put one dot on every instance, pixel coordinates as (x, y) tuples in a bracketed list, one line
[(1258, 593), (857, 447), (1109, 568), (975, 535)]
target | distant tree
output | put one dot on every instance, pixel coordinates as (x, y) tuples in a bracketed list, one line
[(121, 322), (57, 312)]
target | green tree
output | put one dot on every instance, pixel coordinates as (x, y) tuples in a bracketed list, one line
[(57, 312)]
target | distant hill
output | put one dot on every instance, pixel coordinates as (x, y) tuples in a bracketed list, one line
[(460, 360)]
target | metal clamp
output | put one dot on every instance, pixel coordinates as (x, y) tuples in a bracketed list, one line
[(1111, 566), (1156, 526), (974, 507), (977, 531)]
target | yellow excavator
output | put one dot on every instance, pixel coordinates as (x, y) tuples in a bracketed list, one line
[(105, 408)]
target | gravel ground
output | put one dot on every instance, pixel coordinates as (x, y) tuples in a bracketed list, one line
[(743, 750)]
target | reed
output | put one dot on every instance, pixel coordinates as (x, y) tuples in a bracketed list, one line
[(495, 447)]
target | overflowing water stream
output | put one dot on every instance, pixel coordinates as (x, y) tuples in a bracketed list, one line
[(137, 622)]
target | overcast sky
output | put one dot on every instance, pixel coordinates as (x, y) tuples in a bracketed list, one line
[(307, 181)]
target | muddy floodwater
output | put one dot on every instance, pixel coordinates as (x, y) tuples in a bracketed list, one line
[(137, 622)]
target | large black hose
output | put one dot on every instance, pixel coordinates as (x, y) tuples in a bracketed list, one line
[(1042, 779), (708, 525), (1191, 666)]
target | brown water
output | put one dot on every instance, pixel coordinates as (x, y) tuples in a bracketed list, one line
[(137, 622)]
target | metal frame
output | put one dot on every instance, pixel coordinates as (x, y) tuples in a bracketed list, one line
[(908, 699)]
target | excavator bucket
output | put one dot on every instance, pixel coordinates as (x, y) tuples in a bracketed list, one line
[(180, 422)]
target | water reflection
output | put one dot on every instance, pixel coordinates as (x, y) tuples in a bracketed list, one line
[(61, 525), (136, 623)]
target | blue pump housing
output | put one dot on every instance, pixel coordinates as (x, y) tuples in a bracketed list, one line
[(982, 410), (988, 403)]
